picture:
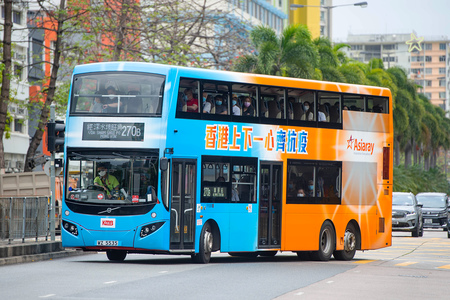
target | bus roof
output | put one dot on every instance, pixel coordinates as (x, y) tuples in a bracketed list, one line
[(248, 78)]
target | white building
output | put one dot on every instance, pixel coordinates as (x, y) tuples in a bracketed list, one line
[(427, 65), (15, 148)]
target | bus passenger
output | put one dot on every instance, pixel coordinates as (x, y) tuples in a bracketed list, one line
[(107, 181), (206, 103), (321, 113), (110, 103), (236, 108), (221, 108), (191, 102), (248, 109), (234, 192), (301, 193), (181, 103), (97, 107), (309, 111)]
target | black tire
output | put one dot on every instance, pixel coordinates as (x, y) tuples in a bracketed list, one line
[(116, 255), (448, 234), (421, 229), (267, 253), (416, 231), (327, 243), (350, 253), (205, 246)]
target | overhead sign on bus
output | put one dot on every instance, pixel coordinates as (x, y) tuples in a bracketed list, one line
[(103, 131)]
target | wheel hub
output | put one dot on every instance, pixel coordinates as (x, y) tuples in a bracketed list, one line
[(349, 241)]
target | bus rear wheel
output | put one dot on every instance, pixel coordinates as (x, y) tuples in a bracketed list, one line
[(206, 244), (350, 242), (327, 242), (116, 255)]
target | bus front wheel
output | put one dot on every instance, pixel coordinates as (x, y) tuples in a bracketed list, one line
[(116, 255), (206, 244), (350, 242), (327, 242)]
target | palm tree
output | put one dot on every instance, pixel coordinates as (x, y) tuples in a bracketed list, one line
[(291, 54)]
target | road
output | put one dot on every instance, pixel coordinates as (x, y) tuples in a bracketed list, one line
[(413, 268)]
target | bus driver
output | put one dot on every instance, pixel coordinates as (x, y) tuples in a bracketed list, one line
[(107, 181)]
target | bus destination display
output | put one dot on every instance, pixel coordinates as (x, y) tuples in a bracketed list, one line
[(100, 131)]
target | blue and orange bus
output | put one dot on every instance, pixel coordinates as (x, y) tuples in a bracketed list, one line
[(175, 160)]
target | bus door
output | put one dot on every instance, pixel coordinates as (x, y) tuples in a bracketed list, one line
[(270, 191), (182, 204)]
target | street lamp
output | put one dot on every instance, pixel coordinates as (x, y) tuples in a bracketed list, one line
[(328, 8)]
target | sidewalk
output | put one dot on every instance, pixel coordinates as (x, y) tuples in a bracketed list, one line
[(32, 250)]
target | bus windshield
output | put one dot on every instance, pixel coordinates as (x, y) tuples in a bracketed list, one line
[(114, 177), (118, 93)]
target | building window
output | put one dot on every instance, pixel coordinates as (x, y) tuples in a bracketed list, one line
[(322, 16), (428, 71), (442, 82), (322, 30), (357, 47), (442, 58), (428, 58), (428, 95), (390, 47), (427, 82), (18, 125), (441, 70), (428, 47), (17, 16), (18, 70), (441, 95), (442, 46)]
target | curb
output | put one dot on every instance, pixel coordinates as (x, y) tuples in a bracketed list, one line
[(39, 257)]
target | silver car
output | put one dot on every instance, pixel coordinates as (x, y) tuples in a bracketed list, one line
[(435, 210), (407, 214)]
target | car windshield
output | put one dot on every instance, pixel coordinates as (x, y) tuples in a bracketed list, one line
[(402, 200), (431, 201)]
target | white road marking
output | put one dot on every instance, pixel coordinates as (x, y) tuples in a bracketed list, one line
[(109, 282), (331, 281), (299, 293), (46, 296), (162, 272)]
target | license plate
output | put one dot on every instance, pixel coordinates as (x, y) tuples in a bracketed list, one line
[(107, 243), (428, 221)]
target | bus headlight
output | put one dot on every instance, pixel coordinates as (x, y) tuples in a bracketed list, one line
[(72, 228), (150, 228)]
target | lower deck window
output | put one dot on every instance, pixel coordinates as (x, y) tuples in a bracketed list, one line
[(228, 179), (314, 182)]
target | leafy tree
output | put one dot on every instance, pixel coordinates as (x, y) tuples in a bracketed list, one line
[(293, 53), (6, 71)]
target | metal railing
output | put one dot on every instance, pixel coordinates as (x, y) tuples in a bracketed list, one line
[(25, 217)]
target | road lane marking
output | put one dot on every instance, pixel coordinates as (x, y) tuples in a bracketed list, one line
[(444, 267), (46, 296), (331, 281), (407, 263), (109, 282), (162, 272), (363, 261), (299, 293)]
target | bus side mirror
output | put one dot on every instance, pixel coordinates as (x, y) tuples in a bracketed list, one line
[(163, 163)]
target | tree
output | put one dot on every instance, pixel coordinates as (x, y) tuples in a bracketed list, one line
[(6, 74), (55, 20), (292, 54), (191, 33)]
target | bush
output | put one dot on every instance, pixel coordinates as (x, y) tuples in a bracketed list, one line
[(415, 180)]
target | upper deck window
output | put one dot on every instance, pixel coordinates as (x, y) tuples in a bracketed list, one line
[(117, 93)]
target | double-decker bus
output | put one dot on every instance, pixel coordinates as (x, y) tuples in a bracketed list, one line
[(174, 160)]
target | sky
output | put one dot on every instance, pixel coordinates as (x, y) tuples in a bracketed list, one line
[(426, 17)]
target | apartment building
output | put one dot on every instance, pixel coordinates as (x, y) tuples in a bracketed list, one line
[(428, 67), (15, 147)]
